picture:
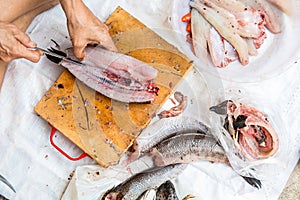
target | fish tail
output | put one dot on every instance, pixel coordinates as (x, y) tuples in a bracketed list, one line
[(189, 196)]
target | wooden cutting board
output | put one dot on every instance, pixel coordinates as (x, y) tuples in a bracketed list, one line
[(102, 127)]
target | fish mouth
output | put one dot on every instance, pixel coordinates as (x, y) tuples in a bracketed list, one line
[(251, 131)]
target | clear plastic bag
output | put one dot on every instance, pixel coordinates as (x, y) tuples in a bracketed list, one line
[(260, 167)]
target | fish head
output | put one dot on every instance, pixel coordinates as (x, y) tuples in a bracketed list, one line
[(221, 108), (113, 196)]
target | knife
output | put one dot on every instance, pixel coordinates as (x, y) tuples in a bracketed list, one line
[(2, 179)]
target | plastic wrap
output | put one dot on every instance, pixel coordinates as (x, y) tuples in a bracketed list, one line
[(258, 168)]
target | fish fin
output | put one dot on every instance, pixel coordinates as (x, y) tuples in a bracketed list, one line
[(221, 108), (189, 196), (53, 58), (57, 52), (157, 157), (253, 181)]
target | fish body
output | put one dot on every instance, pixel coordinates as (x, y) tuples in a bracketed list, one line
[(193, 147), (188, 148), (114, 75), (163, 129), (136, 185)]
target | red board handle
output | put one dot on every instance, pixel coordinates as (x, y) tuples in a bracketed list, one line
[(60, 150)]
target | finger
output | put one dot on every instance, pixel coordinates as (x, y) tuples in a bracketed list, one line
[(105, 40), (109, 44), (24, 39), (5, 58), (32, 55), (79, 50)]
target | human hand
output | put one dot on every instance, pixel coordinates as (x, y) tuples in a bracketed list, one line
[(85, 28), (15, 44)]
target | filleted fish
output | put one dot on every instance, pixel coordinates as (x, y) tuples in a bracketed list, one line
[(112, 74)]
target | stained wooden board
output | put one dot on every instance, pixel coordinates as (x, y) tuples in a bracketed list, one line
[(102, 127)]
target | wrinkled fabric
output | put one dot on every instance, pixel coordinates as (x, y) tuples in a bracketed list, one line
[(38, 171)]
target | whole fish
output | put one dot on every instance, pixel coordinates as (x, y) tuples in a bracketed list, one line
[(188, 148), (193, 147), (163, 129), (136, 185), (112, 74)]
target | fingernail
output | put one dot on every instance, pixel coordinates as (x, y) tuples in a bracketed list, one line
[(33, 44)]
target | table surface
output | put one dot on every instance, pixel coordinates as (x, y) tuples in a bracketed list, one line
[(292, 188)]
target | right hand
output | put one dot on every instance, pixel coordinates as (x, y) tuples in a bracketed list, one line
[(15, 44)]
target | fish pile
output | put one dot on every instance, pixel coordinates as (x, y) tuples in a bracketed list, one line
[(230, 30), (115, 75), (172, 143), (250, 130)]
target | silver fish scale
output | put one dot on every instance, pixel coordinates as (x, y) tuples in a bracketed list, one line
[(167, 127), (189, 148), (136, 185)]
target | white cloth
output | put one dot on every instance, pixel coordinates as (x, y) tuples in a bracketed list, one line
[(38, 171)]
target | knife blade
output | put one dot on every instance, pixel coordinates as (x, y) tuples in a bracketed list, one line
[(2, 179)]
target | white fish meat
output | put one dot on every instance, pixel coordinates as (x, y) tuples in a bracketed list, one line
[(232, 6), (284, 5), (200, 33), (225, 29), (221, 51), (272, 21), (114, 75)]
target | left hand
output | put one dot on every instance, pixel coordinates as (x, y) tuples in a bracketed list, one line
[(85, 28)]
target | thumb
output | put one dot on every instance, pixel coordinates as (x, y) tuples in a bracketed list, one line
[(79, 52)]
